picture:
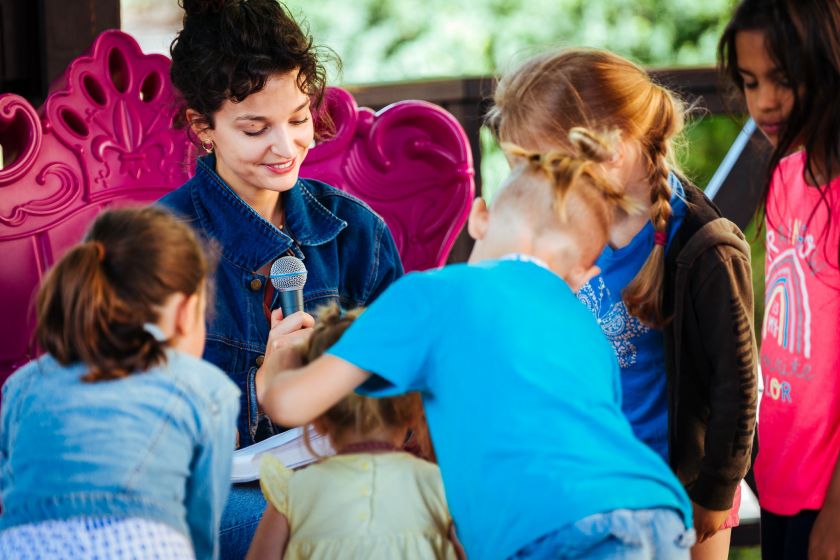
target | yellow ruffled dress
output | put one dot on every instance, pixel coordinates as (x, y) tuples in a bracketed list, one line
[(362, 506)]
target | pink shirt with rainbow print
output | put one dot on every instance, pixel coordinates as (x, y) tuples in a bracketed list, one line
[(799, 415)]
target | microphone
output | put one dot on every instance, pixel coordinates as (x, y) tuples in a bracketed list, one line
[(288, 275)]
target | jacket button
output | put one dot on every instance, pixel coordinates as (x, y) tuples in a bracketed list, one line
[(260, 360), (256, 284)]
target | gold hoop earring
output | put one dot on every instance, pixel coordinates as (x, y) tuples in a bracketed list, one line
[(207, 146)]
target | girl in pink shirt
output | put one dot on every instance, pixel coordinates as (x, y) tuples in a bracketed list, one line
[(787, 63)]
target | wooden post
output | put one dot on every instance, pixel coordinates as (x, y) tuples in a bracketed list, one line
[(66, 33), (39, 39), (19, 52)]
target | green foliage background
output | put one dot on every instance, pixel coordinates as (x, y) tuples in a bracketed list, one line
[(395, 40), (386, 40)]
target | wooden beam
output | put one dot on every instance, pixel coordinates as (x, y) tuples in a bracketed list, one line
[(67, 33), (19, 58), (699, 86)]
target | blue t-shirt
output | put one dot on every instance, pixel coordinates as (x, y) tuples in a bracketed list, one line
[(640, 349), (522, 395)]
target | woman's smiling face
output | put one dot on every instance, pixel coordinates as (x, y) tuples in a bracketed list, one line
[(261, 141)]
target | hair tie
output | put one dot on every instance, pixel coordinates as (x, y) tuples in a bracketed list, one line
[(156, 332), (659, 238)]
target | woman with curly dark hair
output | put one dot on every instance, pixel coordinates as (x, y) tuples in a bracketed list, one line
[(250, 81)]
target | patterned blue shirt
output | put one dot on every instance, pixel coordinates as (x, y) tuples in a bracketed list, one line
[(640, 349)]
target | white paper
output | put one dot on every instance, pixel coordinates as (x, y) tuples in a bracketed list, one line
[(288, 447)]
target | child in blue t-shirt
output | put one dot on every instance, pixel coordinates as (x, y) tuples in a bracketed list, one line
[(521, 388)]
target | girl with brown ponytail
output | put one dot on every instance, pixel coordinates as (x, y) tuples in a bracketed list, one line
[(117, 443), (674, 295)]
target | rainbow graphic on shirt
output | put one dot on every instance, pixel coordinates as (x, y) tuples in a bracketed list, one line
[(787, 315)]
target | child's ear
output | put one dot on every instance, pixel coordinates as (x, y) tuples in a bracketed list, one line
[(189, 314), (479, 217), (579, 276), (617, 161)]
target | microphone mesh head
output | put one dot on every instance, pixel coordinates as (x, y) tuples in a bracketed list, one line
[(288, 273)]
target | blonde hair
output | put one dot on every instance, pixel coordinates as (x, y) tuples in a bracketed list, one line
[(542, 100), (581, 198), (363, 414)]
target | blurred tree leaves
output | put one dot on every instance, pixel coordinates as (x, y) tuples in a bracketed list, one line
[(396, 40), (389, 40)]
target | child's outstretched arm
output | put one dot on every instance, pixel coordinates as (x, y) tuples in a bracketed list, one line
[(271, 537), (295, 397)]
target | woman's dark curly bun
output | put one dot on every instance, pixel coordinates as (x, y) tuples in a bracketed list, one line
[(228, 49)]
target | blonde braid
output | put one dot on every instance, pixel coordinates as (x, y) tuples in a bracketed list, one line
[(566, 170), (643, 297), (600, 148)]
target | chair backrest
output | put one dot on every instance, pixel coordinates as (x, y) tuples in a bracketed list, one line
[(104, 138)]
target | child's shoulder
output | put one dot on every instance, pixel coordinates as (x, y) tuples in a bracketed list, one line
[(199, 376), (464, 275), (400, 461), (423, 472), (437, 281), (394, 470), (790, 170), (22, 378)]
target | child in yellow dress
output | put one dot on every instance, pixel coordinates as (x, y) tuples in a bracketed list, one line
[(371, 500)]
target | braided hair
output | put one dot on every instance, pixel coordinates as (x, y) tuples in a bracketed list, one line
[(541, 101)]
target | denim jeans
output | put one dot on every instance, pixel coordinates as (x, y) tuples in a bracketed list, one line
[(616, 535), (240, 518)]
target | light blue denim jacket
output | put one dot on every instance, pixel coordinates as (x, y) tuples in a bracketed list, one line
[(346, 247), (156, 445)]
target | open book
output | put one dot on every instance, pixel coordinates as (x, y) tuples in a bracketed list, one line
[(288, 447)]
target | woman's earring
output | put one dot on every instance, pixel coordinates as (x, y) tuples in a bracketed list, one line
[(208, 146)]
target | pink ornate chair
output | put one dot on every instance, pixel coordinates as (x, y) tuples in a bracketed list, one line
[(104, 137)]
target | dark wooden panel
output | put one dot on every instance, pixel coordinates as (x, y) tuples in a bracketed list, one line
[(38, 39), (19, 51), (66, 33), (700, 86)]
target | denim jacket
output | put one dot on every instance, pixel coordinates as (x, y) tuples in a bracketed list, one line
[(155, 445), (348, 251)]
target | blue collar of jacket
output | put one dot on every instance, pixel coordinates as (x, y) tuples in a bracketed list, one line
[(246, 238)]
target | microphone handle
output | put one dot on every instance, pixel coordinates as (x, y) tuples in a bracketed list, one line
[(291, 301)]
